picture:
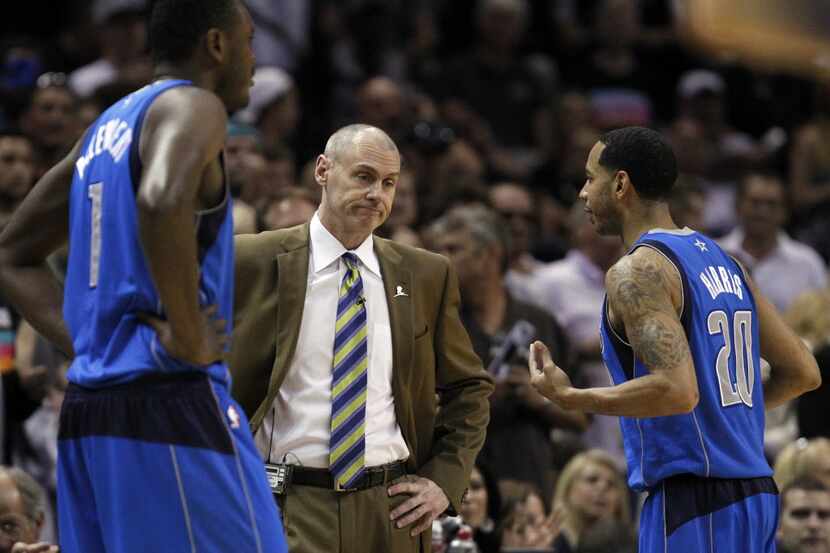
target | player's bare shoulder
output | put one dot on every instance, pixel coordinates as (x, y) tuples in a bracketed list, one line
[(641, 282)]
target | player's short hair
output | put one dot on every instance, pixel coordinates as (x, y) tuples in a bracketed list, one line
[(31, 493), (177, 26), (645, 155), (805, 483)]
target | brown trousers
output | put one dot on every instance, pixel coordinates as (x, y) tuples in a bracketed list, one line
[(317, 520)]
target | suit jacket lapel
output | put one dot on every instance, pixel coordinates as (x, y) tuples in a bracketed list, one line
[(397, 284), (292, 267)]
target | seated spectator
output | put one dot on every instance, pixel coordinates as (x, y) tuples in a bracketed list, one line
[(17, 171), (245, 164), (767, 252), (494, 74), (274, 108), (292, 207), (121, 31), (400, 226), (516, 205), (21, 513), (590, 489), (810, 176), (501, 328), (809, 317), (805, 517), (803, 458), (481, 510), (525, 523), (50, 120), (687, 203), (608, 536)]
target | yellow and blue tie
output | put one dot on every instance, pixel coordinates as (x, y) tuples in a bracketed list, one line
[(347, 446)]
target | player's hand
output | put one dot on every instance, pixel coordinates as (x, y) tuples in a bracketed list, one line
[(211, 343), (21, 547), (427, 503), (548, 379)]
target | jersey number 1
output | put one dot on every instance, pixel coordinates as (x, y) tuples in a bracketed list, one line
[(95, 192), (739, 340)]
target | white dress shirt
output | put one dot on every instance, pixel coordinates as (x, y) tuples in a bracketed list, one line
[(298, 427)]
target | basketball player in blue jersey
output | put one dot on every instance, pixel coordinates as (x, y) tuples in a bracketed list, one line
[(683, 332), (153, 454)]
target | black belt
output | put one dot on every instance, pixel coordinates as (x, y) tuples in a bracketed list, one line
[(322, 478)]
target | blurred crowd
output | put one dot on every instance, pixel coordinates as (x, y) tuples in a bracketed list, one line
[(494, 105)]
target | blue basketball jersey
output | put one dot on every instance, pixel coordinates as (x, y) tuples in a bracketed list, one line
[(108, 280), (723, 436)]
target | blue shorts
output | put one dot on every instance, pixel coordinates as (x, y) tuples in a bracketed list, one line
[(163, 463), (687, 513)]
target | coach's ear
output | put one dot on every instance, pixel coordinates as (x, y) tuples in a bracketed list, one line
[(321, 170)]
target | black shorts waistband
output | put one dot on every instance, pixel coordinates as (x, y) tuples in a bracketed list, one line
[(687, 496), (175, 409)]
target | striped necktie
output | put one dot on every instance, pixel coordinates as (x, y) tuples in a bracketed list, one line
[(349, 381)]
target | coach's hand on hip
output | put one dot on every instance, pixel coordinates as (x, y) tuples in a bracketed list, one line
[(428, 501)]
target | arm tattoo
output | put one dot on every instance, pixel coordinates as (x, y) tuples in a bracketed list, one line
[(639, 291)]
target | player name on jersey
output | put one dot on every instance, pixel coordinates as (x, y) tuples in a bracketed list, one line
[(114, 136), (720, 280)]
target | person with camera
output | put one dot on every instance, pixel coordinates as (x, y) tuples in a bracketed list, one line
[(518, 444)]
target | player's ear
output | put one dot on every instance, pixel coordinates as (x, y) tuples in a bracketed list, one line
[(216, 44), (622, 184)]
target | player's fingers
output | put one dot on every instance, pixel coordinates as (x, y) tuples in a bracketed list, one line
[(541, 355)]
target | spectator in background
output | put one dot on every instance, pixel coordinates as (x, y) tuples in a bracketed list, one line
[(810, 176), (581, 274), (481, 510), (21, 513), (291, 207), (608, 536), (380, 103), (687, 203), (768, 253), (720, 152), (518, 444), (245, 164), (805, 517), (526, 523), (590, 489), (274, 108), (49, 120), (514, 203), (401, 224), (478, 85), (809, 317), (121, 30), (803, 458), (17, 171)]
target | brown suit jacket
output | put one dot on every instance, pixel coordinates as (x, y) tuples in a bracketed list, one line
[(432, 352)]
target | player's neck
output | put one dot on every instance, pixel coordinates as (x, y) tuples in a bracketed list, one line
[(648, 218), (167, 70)]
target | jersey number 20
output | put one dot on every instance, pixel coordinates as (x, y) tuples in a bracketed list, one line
[(737, 338)]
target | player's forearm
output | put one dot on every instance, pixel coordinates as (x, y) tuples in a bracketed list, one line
[(782, 386), (38, 297), (168, 238), (653, 395)]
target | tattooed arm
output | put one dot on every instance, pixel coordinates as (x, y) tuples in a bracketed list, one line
[(644, 293)]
